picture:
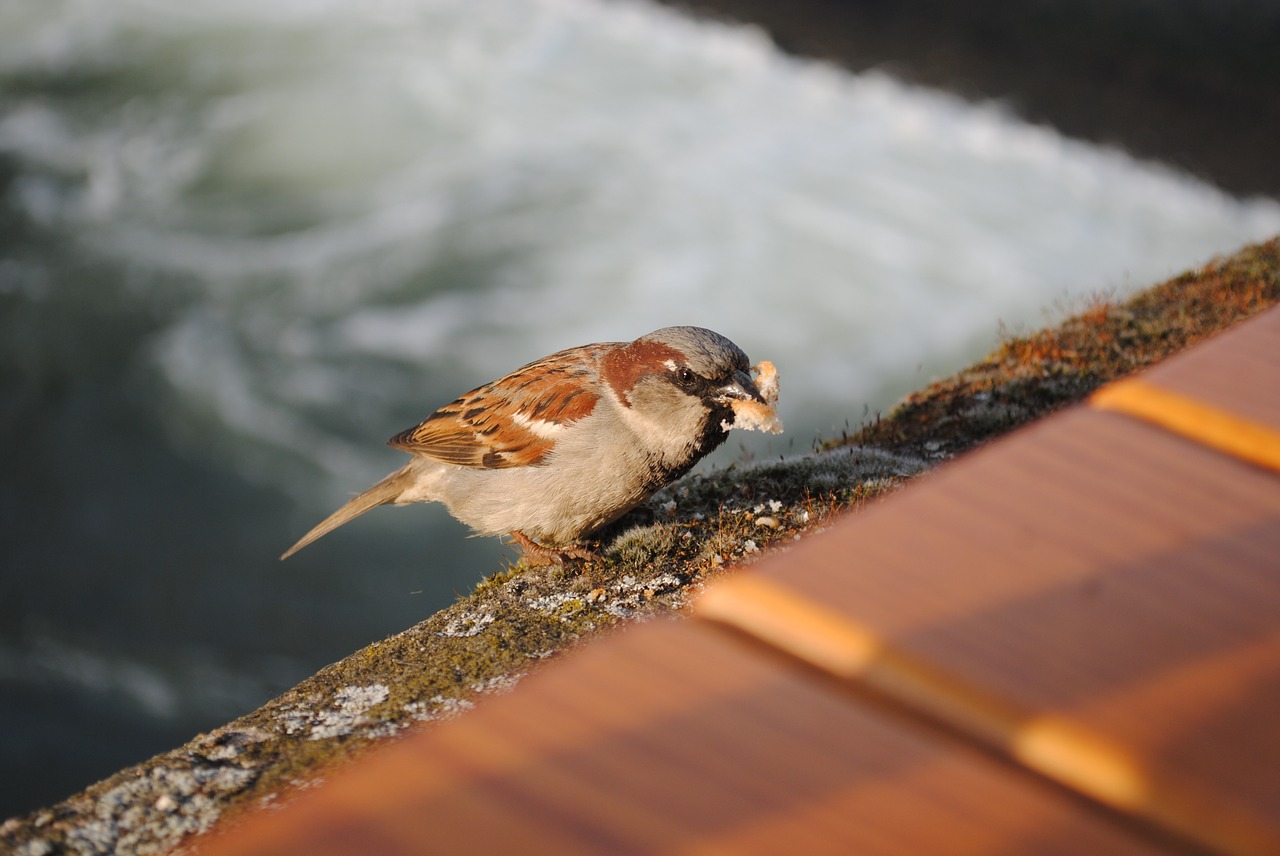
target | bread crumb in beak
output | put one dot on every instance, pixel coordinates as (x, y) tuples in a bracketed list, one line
[(758, 415)]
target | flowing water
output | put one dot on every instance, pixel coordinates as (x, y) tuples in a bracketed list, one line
[(242, 243)]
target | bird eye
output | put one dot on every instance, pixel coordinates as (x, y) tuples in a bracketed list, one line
[(686, 376)]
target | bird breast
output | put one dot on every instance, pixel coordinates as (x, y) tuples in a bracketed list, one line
[(601, 468)]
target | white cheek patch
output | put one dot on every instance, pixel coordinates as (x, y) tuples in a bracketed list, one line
[(670, 364), (667, 435)]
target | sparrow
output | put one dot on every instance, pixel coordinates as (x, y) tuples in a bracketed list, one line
[(565, 445)]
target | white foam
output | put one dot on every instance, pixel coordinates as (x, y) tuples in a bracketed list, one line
[(434, 192)]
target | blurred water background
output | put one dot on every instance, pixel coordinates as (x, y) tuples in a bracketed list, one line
[(243, 242)]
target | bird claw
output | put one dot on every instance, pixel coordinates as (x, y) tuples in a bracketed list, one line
[(537, 555)]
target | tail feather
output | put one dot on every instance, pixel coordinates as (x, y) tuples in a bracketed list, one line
[(381, 493)]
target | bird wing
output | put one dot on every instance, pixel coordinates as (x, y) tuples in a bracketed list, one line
[(513, 421)]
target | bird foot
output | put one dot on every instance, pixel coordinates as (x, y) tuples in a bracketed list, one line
[(537, 555)]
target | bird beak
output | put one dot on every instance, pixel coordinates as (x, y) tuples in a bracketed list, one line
[(741, 388)]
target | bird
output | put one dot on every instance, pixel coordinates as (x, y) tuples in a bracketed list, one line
[(565, 445)]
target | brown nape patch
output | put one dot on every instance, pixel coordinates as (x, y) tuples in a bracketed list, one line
[(624, 366)]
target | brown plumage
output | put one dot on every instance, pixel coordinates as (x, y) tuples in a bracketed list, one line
[(567, 444)]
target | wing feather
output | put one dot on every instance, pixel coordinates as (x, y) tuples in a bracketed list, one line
[(513, 421)]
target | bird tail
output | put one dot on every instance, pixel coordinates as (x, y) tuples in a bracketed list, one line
[(385, 491)]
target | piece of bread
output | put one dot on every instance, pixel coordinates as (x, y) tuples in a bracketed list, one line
[(755, 415)]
